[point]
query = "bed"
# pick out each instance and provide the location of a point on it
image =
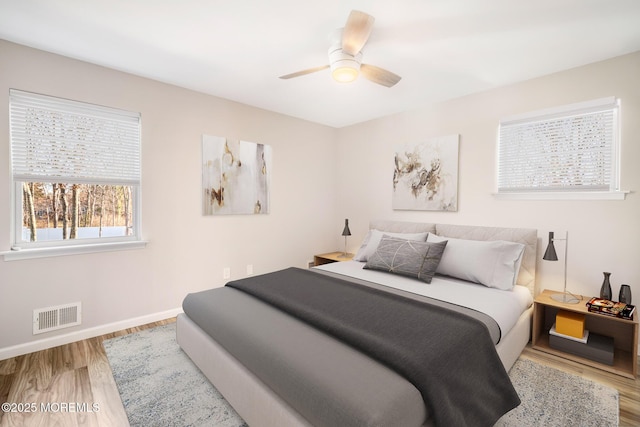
(278, 370)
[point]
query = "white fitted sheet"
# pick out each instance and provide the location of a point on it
(505, 307)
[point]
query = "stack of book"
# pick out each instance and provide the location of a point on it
(568, 334)
(611, 308)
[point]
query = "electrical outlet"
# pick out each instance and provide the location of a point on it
(226, 273)
(249, 269)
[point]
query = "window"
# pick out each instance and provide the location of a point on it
(564, 151)
(76, 173)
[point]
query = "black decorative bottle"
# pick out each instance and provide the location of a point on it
(605, 290)
(625, 294)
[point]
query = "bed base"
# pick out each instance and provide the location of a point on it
(249, 396)
(255, 402)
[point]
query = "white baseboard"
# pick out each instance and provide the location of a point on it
(43, 344)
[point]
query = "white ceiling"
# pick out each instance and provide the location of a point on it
(236, 49)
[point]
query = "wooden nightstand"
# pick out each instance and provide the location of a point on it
(624, 333)
(331, 257)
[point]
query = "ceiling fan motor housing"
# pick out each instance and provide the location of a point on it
(345, 68)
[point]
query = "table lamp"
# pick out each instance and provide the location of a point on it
(550, 255)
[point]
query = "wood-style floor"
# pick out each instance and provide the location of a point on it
(79, 374)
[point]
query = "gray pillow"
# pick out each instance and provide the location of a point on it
(493, 263)
(407, 257)
(373, 237)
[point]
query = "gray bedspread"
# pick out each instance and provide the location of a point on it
(324, 380)
(489, 322)
(450, 358)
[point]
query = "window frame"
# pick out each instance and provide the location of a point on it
(25, 250)
(613, 192)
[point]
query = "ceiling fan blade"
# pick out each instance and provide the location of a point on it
(303, 72)
(356, 32)
(379, 75)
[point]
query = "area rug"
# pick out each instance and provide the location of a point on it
(550, 397)
(160, 386)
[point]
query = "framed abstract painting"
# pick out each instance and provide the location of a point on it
(426, 175)
(235, 176)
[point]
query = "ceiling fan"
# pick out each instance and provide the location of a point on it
(345, 54)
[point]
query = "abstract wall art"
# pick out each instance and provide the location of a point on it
(426, 175)
(235, 176)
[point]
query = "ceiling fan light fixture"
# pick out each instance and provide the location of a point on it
(345, 73)
(345, 68)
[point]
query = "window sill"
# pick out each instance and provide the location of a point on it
(561, 195)
(21, 254)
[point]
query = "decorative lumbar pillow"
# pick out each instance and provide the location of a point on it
(407, 257)
(373, 237)
(493, 263)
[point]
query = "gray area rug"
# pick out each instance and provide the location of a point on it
(550, 397)
(160, 386)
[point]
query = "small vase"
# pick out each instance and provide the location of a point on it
(625, 294)
(605, 290)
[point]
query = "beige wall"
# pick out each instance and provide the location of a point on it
(321, 176)
(604, 235)
(187, 251)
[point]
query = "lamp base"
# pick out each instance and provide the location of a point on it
(345, 255)
(566, 298)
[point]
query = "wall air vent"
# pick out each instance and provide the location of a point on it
(58, 317)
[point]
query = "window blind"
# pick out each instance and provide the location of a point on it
(59, 140)
(572, 148)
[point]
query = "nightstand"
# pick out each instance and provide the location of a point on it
(331, 257)
(623, 331)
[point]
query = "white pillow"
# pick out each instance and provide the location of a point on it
(493, 263)
(373, 237)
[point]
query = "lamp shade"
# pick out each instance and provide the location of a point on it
(346, 231)
(550, 253)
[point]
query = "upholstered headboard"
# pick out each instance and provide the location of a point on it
(527, 236)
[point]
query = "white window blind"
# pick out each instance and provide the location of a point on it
(568, 149)
(58, 140)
